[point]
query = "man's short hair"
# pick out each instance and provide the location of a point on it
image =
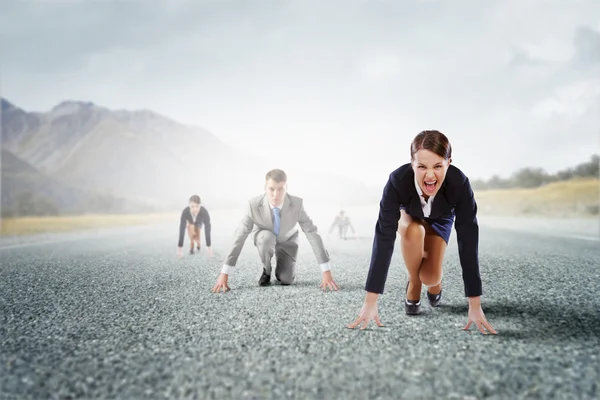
(277, 175)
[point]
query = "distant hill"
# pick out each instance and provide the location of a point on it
(140, 156)
(27, 191)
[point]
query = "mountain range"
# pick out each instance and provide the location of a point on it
(82, 157)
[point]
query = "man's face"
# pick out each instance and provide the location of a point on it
(194, 207)
(275, 192)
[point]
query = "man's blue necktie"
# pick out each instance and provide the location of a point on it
(276, 220)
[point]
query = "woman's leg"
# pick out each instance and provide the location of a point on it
(423, 252)
(431, 267)
(191, 230)
(198, 232)
(412, 243)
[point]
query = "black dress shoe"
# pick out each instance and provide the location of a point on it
(282, 284)
(411, 307)
(434, 299)
(265, 279)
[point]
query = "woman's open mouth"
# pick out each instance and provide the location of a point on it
(430, 185)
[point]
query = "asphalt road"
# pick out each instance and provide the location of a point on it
(116, 315)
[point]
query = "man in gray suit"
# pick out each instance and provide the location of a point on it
(272, 220)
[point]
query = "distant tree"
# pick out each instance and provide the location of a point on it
(496, 182)
(564, 175)
(529, 178)
(479, 184)
(589, 169)
(535, 177)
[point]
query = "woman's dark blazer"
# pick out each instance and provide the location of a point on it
(455, 198)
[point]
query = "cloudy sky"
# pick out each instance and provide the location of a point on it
(332, 84)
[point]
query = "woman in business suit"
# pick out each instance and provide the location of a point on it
(420, 201)
(193, 217)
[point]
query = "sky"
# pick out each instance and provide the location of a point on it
(337, 85)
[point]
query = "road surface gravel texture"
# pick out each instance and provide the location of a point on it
(116, 315)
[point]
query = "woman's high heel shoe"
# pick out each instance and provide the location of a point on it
(411, 307)
(434, 299)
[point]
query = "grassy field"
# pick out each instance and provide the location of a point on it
(33, 225)
(574, 198)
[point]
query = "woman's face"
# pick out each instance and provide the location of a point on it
(430, 171)
(194, 208)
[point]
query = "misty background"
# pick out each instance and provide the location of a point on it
(133, 106)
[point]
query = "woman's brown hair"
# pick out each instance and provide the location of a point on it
(434, 141)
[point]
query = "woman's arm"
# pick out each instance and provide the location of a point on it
(385, 237)
(207, 227)
(182, 223)
(467, 235)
